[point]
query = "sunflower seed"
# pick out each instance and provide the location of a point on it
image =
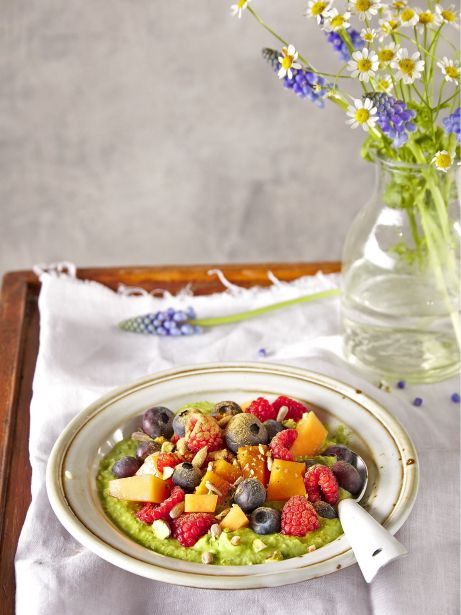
(167, 473)
(215, 530)
(212, 488)
(235, 540)
(282, 414)
(161, 529)
(177, 510)
(207, 557)
(200, 457)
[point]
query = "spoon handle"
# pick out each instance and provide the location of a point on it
(373, 545)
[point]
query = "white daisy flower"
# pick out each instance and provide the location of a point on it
(368, 35)
(362, 113)
(387, 27)
(363, 65)
(408, 17)
(364, 9)
(239, 7)
(318, 8)
(407, 68)
(398, 5)
(443, 160)
(334, 21)
(288, 61)
(428, 18)
(384, 84)
(449, 15)
(386, 54)
(450, 69)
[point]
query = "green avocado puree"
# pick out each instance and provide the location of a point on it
(121, 514)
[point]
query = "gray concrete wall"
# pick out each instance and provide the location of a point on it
(147, 132)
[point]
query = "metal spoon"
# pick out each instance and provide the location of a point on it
(373, 545)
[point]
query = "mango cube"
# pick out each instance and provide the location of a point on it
(286, 480)
(145, 488)
(253, 461)
(311, 436)
(222, 485)
(200, 503)
(226, 470)
(235, 519)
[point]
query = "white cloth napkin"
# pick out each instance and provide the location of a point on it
(83, 355)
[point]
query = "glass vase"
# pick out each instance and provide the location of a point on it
(401, 289)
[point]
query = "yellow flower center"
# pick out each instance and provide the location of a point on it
(368, 37)
(448, 16)
(318, 8)
(337, 21)
(407, 66)
(241, 4)
(362, 6)
(452, 71)
(443, 161)
(383, 85)
(407, 15)
(362, 116)
(398, 5)
(385, 55)
(364, 65)
(426, 17)
(287, 62)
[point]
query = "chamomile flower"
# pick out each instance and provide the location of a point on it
(318, 8)
(398, 5)
(442, 160)
(428, 18)
(362, 113)
(450, 69)
(384, 84)
(288, 61)
(449, 15)
(364, 9)
(407, 68)
(363, 65)
(239, 7)
(368, 35)
(334, 20)
(386, 54)
(387, 27)
(408, 18)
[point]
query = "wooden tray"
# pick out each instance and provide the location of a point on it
(19, 339)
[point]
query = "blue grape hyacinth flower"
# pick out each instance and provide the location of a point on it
(394, 117)
(171, 323)
(452, 124)
(340, 46)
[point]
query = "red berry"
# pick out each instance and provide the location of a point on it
(321, 484)
(203, 431)
(299, 517)
(281, 442)
(167, 460)
(262, 409)
(295, 408)
(150, 512)
(189, 527)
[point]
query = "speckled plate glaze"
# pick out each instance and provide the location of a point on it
(73, 463)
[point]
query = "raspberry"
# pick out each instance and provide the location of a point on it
(150, 512)
(281, 442)
(189, 527)
(321, 484)
(167, 460)
(295, 409)
(262, 409)
(203, 431)
(299, 517)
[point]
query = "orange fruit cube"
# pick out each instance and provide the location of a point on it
(311, 436)
(286, 480)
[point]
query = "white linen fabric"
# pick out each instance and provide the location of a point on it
(83, 355)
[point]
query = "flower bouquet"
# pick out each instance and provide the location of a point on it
(398, 80)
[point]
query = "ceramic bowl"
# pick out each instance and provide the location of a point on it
(377, 436)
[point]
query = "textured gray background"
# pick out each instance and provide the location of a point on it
(146, 132)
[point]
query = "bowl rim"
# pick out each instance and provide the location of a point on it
(265, 574)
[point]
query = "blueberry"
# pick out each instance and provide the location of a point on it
(180, 420)
(244, 429)
(226, 408)
(186, 476)
(147, 448)
(325, 510)
(158, 421)
(273, 428)
(341, 452)
(347, 476)
(250, 494)
(125, 467)
(265, 520)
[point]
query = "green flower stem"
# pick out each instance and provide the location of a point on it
(226, 320)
